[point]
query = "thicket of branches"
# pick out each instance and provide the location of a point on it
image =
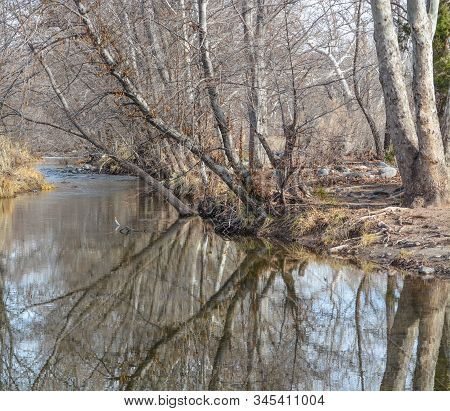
(225, 99)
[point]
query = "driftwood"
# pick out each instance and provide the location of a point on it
(338, 248)
(386, 210)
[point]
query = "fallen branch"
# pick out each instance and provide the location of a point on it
(382, 212)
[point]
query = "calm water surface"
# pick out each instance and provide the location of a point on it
(173, 306)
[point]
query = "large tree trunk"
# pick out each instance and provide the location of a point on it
(431, 168)
(421, 163)
(445, 129)
(398, 113)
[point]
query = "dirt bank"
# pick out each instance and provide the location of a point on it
(354, 213)
(408, 239)
(413, 240)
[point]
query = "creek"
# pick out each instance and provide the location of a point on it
(167, 304)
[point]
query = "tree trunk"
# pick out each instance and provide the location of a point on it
(253, 36)
(445, 129)
(260, 78)
(218, 112)
(431, 167)
(421, 163)
(379, 148)
(190, 88)
(155, 48)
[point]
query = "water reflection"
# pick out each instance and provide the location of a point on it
(420, 316)
(83, 307)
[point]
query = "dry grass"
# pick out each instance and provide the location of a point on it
(349, 227)
(322, 227)
(317, 220)
(368, 239)
(321, 193)
(314, 222)
(17, 174)
(405, 254)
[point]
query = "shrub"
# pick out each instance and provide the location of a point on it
(17, 174)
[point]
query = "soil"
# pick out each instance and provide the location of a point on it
(415, 240)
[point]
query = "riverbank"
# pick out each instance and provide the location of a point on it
(360, 218)
(17, 171)
(394, 238)
(353, 214)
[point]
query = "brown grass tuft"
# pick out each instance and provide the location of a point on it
(17, 174)
(368, 239)
(317, 220)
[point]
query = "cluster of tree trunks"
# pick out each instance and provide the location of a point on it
(420, 138)
(416, 134)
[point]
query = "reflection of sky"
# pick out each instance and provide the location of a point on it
(336, 302)
(330, 297)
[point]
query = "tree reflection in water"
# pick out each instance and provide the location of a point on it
(179, 308)
(420, 316)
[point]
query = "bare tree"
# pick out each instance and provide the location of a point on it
(379, 148)
(253, 18)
